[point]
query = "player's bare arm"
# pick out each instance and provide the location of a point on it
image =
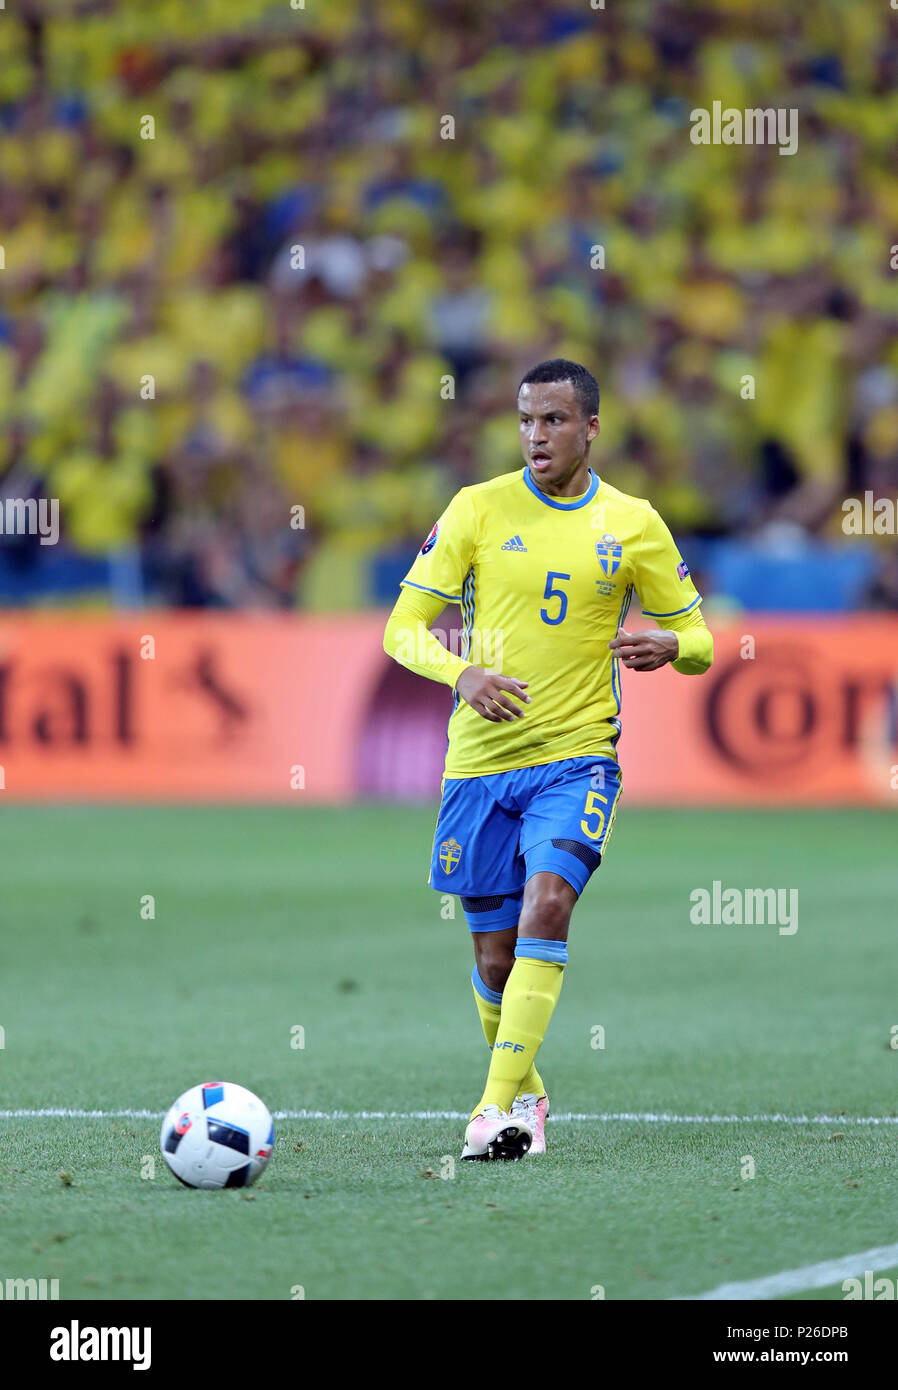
(489, 693)
(646, 651)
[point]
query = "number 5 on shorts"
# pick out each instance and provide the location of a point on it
(591, 809)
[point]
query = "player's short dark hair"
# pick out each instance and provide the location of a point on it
(586, 388)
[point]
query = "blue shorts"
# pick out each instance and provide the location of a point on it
(495, 832)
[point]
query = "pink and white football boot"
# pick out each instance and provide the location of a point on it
(533, 1111)
(496, 1134)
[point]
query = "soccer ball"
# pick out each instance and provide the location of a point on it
(217, 1135)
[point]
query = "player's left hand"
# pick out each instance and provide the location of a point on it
(645, 651)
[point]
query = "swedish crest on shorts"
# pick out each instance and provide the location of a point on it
(450, 854)
(609, 551)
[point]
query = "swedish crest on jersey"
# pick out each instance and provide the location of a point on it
(609, 551)
(450, 854)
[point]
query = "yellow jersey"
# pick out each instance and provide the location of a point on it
(544, 583)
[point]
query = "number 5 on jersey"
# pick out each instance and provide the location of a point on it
(552, 592)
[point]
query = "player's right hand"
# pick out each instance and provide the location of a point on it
(489, 693)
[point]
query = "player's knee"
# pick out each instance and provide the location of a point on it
(494, 962)
(550, 906)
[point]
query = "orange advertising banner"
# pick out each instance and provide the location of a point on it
(165, 706)
(179, 706)
(797, 711)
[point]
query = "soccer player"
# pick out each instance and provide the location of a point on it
(544, 563)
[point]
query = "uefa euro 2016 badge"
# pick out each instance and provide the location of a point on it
(431, 541)
(450, 854)
(609, 551)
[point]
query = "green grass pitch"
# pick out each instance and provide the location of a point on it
(266, 919)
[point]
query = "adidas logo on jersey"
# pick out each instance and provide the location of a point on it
(514, 544)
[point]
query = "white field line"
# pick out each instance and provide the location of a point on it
(818, 1276)
(570, 1117)
(788, 1281)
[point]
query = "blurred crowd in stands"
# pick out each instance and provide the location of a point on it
(474, 186)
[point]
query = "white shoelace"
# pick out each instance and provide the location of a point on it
(525, 1107)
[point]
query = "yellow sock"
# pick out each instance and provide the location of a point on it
(528, 1003)
(489, 1007)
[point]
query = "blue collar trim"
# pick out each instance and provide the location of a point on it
(558, 503)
